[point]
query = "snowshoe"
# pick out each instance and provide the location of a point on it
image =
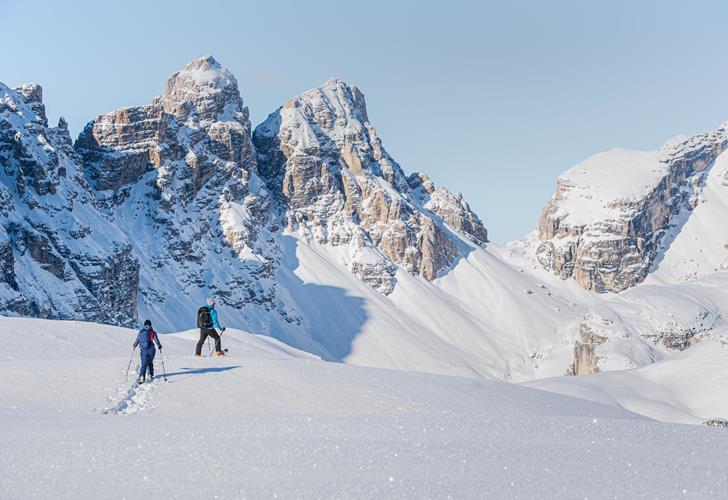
(140, 381)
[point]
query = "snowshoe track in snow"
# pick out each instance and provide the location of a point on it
(130, 399)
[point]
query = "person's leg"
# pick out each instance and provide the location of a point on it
(151, 362)
(203, 336)
(144, 361)
(216, 336)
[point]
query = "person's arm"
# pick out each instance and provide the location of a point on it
(156, 339)
(136, 342)
(213, 317)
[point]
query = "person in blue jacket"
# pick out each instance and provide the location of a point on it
(146, 338)
(208, 322)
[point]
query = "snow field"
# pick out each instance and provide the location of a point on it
(269, 421)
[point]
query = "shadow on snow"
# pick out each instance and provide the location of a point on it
(200, 371)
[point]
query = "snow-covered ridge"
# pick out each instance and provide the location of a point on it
(610, 213)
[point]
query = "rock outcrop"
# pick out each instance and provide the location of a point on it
(325, 164)
(604, 225)
(648, 323)
(180, 177)
(585, 357)
(59, 256)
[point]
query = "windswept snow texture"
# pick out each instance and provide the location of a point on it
(270, 421)
(690, 387)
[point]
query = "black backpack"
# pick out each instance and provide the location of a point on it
(203, 317)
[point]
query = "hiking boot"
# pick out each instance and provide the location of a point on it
(197, 355)
(141, 380)
(151, 377)
(219, 353)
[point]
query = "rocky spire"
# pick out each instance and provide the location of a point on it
(324, 161)
(180, 174)
(203, 90)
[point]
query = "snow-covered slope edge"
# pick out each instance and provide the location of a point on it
(689, 387)
(279, 423)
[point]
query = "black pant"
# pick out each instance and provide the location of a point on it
(208, 332)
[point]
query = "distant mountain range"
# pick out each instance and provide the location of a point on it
(307, 230)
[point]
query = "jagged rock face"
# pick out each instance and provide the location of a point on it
(322, 159)
(179, 176)
(585, 357)
(59, 257)
(716, 422)
(604, 224)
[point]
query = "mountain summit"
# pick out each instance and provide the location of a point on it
(321, 157)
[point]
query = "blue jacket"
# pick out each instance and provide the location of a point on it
(213, 317)
(146, 338)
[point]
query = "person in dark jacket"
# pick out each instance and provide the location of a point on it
(146, 338)
(208, 329)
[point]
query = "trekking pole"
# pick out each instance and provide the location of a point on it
(129, 367)
(164, 371)
(220, 340)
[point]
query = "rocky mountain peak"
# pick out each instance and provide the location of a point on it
(612, 213)
(198, 127)
(31, 92)
(180, 174)
(323, 160)
(27, 101)
(204, 90)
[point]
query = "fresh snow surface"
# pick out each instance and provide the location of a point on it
(690, 387)
(269, 421)
(600, 180)
(484, 318)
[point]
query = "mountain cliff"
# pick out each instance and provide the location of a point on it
(59, 256)
(610, 214)
(179, 177)
(322, 158)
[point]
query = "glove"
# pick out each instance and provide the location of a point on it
(160, 347)
(222, 330)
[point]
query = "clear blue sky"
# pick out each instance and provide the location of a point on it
(493, 99)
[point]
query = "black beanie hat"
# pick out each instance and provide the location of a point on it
(147, 323)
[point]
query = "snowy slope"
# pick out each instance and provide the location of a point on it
(688, 387)
(271, 421)
(483, 318)
(698, 243)
(591, 187)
